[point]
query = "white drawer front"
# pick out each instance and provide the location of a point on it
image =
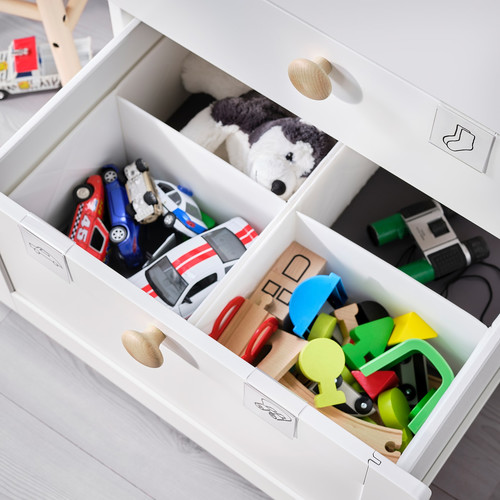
(392, 35)
(371, 110)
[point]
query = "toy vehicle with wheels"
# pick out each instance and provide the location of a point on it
(28, 67)
(87, 229)
(357, 404)
(124, 232)
(180, 211)
(144, 204)
(184, 276)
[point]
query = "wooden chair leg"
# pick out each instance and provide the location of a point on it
(60, 37)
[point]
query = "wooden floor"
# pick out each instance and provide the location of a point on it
(68, 433)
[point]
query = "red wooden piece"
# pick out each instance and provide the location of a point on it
(225, 317)
(377, 382)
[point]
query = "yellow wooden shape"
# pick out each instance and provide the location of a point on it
(410, 326)
(322, 360)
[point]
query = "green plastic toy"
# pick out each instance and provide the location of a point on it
(404, 350)
(323, 327)
(370, 340)
(322, 361)
(395, 412)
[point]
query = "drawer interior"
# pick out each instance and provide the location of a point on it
(365, 277)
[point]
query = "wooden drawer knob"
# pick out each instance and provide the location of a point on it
(145, 346)
(311, 78)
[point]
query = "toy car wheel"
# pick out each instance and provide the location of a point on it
(141, 165)
(130, 210)
(409, 391)
(83, 192)
(117, 234)
(3, 95)
(169, 220)
(122, 177)
(150, 198)
(363, 405)
(109, 176)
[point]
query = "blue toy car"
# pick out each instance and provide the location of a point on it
(124, 232)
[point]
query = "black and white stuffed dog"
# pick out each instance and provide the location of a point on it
(268, 143)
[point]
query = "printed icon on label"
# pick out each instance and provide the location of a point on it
(41, 251)
(461, 140)
(266, 406)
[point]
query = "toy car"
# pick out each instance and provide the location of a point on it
(87, 229)
(185, 275)
(144, 204)
(180, 211)
(357, 404)
(124, 232)
(28, 67)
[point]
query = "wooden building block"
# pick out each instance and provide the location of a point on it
(395, 412)
(285, 349)
(370, 340)
(410, 326)
(242, 326)
(322, 361)
(295, 265)
(377, 382)
(346, 316)
(309, 298)
(323, 327)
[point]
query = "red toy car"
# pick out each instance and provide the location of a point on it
(87, 229)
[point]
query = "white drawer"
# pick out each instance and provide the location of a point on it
(371, 109)
(200, 388)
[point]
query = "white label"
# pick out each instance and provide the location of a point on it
(47, 255)
(461, 138)
(270, 411)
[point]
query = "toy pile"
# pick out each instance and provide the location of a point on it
(158, 238)
(367, 371)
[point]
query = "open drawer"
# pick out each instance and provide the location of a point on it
(111, 113)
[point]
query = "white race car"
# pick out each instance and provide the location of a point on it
(184, 276)
(144, 205)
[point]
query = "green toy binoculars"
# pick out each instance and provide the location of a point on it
(427, 223)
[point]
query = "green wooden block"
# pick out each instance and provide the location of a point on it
(370, 340)
(416, 409)
(322, 361)
(394, 408)
(323, 327)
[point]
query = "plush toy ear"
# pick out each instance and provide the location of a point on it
(200, 76)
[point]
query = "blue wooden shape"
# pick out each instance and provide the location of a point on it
(310, 296)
